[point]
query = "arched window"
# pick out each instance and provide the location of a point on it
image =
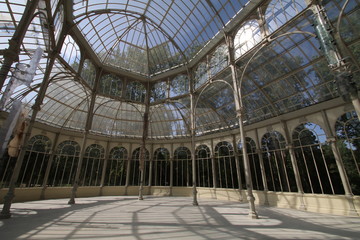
(201, 74)
(92, 165)
(254, 161)
(161, 168)
(179, 85)
(88, 72)
(317, 167)
(281, 11)
(277, 163)
(159, 91)
(247, 37)
(135, 91)
(116, 167)
(225, 163)
(70, 52)
(111, 84)
(35, 162)
(348, 133)
(182, 167)
(64, 166)
(204, 167)
(219, 59)
(135, 168)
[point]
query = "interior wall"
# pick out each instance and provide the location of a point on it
(320, 203)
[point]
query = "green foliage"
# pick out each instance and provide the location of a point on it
(136, 91)
(161, 58)
(348, 131)
(131, 58)
(111, 84)
(179, 85)
(158, 91)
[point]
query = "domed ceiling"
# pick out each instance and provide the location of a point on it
(148, 37)
(130, 46)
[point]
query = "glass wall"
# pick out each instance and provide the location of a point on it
(204, 167)
(116, 167)
(182, 167)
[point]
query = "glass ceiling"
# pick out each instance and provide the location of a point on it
(150, 37)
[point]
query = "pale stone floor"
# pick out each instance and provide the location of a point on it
(168, 218)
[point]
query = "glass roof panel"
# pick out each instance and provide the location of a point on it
(148, 37)
(215, 109)
(117, 29)
(169, 120)
(286, 75)
(116, 118)
(66, 103)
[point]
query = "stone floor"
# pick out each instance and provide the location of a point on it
(168, 218)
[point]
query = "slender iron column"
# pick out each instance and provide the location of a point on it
(48, 167)
(238, 173)
(151, 163)
(171, 168)
(103, 173)
(240, 113)
(213, 165)
(36, 108)
(193, 163)
(340, 165)
(128, 169)
(294, 165)
(88, 125)
(262, 167)
(143, 144)
(78, 169)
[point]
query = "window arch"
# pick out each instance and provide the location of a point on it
(204, 166)
(92, 165)
(110, 84)
(219, 59)
(201, 74)
(135, 168)
(70, 52)
(254, 161)
(348, 133)
(182, 167)
(116, 167)
(247, 37)
(64, 166)
(281, 11)
(317, 167)
(136, 91)
(35, 162)
(277, 163)
(88, 72)
(161, 168)
(225, 163)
